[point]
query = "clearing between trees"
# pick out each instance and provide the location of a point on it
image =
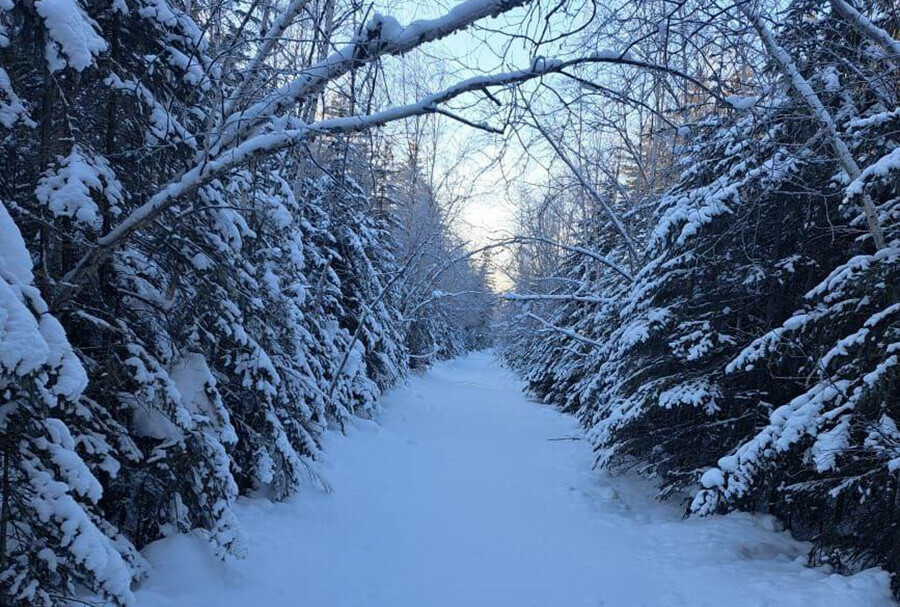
(466, 493)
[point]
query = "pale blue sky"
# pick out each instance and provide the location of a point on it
(463, 55)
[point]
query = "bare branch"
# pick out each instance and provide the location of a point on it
(619, 226)
(566, 332)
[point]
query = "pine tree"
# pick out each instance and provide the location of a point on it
(52, 533)
(752, 361)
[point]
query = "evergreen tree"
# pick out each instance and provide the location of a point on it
(751, 363)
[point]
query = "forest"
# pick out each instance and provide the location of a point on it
(228, 228)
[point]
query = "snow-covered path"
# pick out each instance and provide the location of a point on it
(466, 494)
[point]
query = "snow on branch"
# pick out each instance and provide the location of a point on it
(789, 69)
(395, 41)
(439, 295)
(382, 35)
(574, 249)
(250, 75)
(268, 142)
(867, 28)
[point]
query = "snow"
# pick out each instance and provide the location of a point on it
(27, 342)
(12, 110)
(882, 167)
(162, 125)
(71, 31)
(712, 478)
(394, 39)
(694, 392)
(14, 258)
(867, 28)
(22, 350)
(88, 546)
(739, 102)
(829, 444)
(67, 188)
(465, 493)
(75, 473)
(831, 79)
(389, 27)
(195, 382)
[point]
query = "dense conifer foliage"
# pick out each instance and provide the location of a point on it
(204, 356)
(212, 253)
(751, 363)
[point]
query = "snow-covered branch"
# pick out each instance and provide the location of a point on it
(820, 112)
(381, 36)
(572, 249)
(439, 295)
(268, 142)
(250, 74)
(868, 29)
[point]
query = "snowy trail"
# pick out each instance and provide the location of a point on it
(458, 497)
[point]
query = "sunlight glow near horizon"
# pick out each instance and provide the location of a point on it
(490, 210)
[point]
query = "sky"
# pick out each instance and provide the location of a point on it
(489, 213)
(491, 208)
